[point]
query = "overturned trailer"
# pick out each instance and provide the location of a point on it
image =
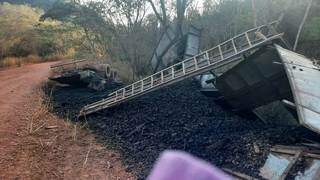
(270, 74)
(247, 71)
(91, 73)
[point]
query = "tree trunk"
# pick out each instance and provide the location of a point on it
(163, 20)
(301, 25)
(254, 13)
(181, 9)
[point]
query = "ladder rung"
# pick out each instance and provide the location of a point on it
(234, 46)
(220, 52)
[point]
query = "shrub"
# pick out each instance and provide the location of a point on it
(18, 61)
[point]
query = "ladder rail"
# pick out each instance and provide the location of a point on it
(195, 65)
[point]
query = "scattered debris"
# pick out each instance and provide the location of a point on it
(51, 127)
(282, 160)
(256, 148)
(237, 175)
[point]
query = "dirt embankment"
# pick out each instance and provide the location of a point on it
(35, 144)
(178, 117)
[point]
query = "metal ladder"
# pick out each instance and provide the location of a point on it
(218, 56)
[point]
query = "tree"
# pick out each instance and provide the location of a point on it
(162, 15)
(254, 12)
(43, 4)
(21, 33)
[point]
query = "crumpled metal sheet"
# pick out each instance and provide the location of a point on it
(283, 159)
(304, 78)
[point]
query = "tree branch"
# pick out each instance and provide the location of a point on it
(301, 25)
(162, 21)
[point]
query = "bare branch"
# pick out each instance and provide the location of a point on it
(161, 19)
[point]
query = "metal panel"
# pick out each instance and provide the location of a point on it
(193, 42)
(171, 47)
(255, 82)
(167, 39)
(304, 78)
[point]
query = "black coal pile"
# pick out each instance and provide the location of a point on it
(177, 117)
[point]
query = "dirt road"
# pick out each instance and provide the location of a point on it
(34, 144)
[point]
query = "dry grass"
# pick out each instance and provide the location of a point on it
(31, 59)
(39, 115)
(16, 61)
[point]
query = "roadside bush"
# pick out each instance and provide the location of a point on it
(24, 38)
(18, 61)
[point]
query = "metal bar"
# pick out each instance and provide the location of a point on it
(195, 63)
(161, 76)
(291, 164)
(234, 46)
(208, 58)
(183, 68)
(220, 51)
(151, 81)
(248, 39)
(172, 72)
(132, 89)
(123, 93)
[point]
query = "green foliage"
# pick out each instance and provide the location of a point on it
(43, 4)
(22, 34)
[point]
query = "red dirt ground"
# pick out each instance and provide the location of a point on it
(35, 144)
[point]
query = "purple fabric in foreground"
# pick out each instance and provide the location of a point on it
(177, 165)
